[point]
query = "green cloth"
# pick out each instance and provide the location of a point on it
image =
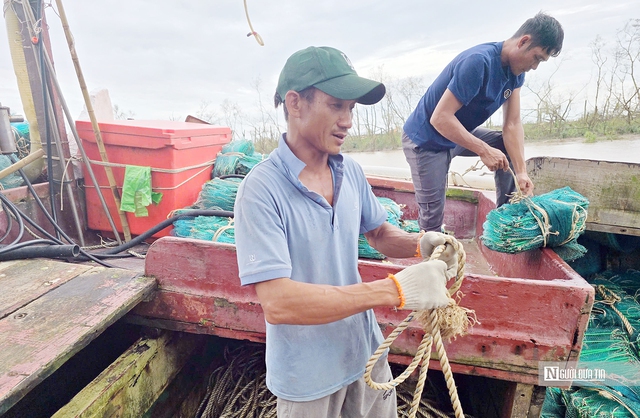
(136, 191)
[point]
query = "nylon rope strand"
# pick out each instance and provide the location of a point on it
(253, 32)
(438, 324)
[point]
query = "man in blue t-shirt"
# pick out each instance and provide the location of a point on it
(298, 216)
(446, 121)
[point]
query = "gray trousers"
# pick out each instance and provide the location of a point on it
(356, 400)
(429, 171)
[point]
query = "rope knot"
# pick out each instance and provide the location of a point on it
(438, 324)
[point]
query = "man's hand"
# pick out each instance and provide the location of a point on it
(430, 241)
(494, 159)
(424, 285)
(525, 184)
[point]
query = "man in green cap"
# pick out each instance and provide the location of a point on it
(298, 216)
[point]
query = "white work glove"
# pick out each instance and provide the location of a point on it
(424, 285)
(430, 241)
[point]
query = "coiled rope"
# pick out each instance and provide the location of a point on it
(438, 324)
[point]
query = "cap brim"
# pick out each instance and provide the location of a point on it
(353, 87)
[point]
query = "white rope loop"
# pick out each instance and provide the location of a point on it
(431, 334)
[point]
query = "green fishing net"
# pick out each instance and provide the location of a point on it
(610, 342)
(410, 225)
(394, 215)
(553, 219)
(12, 180)
(209, 228)
(218, 194)
(22, 137)
(247, 162)
(23, 146)
(237, 157)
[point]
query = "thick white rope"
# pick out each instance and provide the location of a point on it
(423, 355)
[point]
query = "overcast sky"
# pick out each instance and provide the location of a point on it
(163, 59)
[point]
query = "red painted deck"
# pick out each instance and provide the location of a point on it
(531, 306)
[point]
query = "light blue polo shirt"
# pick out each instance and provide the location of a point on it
(283, 229)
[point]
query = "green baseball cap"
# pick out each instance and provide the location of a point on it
(330, 71)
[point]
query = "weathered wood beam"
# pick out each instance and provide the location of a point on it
(131, 385)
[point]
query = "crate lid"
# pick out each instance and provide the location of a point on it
(164, 133)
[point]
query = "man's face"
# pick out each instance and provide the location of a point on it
(325, 122)
(527, 58)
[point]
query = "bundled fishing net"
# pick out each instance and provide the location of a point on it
(12, 180)
(218, 194)
(227, 160)
(553, 219)
(23, 145)
(209, 228)
(610, 342)
(247, 162)
(410, 225)
(394, 213)
(22, 138)
(367, 251)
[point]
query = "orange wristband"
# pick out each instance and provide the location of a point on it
(418, 251)
(400, 292)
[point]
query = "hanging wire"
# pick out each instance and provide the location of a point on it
(253, 32)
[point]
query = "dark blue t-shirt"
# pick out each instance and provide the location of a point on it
(477, 78)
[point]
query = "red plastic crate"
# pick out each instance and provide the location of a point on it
(169, 145)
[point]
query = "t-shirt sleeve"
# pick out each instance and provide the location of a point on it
(468, 78)
(261, 242)
(373, 214)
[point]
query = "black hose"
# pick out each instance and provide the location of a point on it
(49, 251)
(11, 207)
(185, 213)
(231, 176)
(9, 248)
(20, 216)
(9, 222)
(41, 205)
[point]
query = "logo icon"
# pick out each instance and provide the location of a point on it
(507, 93)
(348, 61)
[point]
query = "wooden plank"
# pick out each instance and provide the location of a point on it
(22, 281)
(131, 384)
(38, 338)
(189, 388)
(612, 188)
(518, 400)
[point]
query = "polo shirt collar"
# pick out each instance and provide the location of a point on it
(293, 166)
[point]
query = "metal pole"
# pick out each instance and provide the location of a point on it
(85, 158)
(63, 165)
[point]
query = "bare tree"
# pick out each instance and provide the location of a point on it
(206, 113)
(551, 107)
(120, 114)
(597, 47)
(404, 96)
(233, 116)
(265, 130)
(627, 56)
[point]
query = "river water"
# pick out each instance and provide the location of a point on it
(393, 164)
